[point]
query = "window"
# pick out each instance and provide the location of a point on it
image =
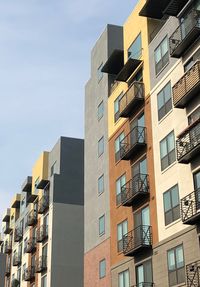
(119, 183)
(135, 50)
(101, 146)
(44, 281)
(161, 55)
(171, 205)
(102, 268)
(123, 279)
(53, 169)
(144, 274)
(117, 146)
(100, 111)
(122, 229)
(164, 101)
(35, 185)
(101, 184)
(99, 73)
(102, 225)
(116, 107)
(167, 151)
(194, 116)
(176, 267)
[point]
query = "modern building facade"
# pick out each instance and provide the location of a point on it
(43, 228)
(153, 147)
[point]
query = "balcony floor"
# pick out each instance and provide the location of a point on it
(188, 157)
(138, 147)
(136, 198)
(193, 219)
(137, 250)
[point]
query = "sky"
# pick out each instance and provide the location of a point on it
(44, 64)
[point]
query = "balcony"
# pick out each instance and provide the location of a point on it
(135, 190)
(8, 270)
(190, 208)
(30, 245)
(133, 143)
(27, 185)
(193, 274)
(16, 201)
(132, 100)
(43, 204)
(174, 7)
(7, 229)
(8, 247)
(115, 63)
(187, 87)
(185, 35)
(188, 143)
(6, 216)
(129, 67)
(41, 264)
(137, 240)
(42, 233)
(16, 259)
(32, 218)
(29, 273)
(18, 234)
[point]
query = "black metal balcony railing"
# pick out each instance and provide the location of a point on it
(29, 273)
(187, 87)
(8, 247)
(134, 142)
(16, 259)
(135, 189)
(15, 283)
(43, 204)
(41, 264)
(8, 270)
(32, 218)
(193, 274)
(137, 240)
(42, 233)
(7, 229)
(18, 234)
(186, 33)
(30, 245)
(132, 99)
(190, 207)
(188, 143)
(144, 284)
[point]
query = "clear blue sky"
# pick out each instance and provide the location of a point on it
(44, 65)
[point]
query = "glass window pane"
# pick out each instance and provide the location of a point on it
(123, 180)
(175, 196)
(160, 100)
(101, 146)
(164, 46)
(179, 257)
(170, 141)
(126, 278)
(119, 232)
(101, 184)
(167, 201)
(117, 145)
(118, 187)
(100, 110)
(171, 260)
(102, 268)
(125, 227)
(102, 225)
(167, 92)
(136, 48)
(163, 148)
(158, 55)
(121, 280)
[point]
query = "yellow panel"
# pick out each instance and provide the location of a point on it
(132, 27)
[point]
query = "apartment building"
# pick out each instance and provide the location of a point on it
(153, 112)
(96, 185)
(43, 228)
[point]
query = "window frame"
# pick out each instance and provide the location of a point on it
(101, 178)
(172, 209)
(117, 153)
(176, 268)
(100, 270)
(119, 241)
(100, 151)
(104, 221)
(116, 102)
(163, 64)
(171, 152)
(167, 106)
(100, 112)
(123, 273)
(118, 195)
